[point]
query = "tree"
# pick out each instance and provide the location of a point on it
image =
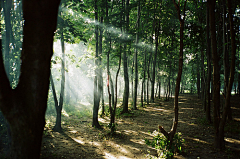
(95, 122)
(125, 64)
(216, 73)
(219, 122)
(59, 105)
(24, 107)
(171, 134)
(136, 61)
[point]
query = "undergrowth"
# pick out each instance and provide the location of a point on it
(162, 144)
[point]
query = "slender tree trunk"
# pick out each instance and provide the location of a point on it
(209, 71)
(154, 63)
(203, 79)
(100, 83)
(220, 137)
(112, 120)
(198, 77)
(96, 90)
(159, 89)
(142, 93)
(171, 134)
(125, 66)
(136, 62)
(57, 126)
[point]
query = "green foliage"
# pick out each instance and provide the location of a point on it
(162, 144)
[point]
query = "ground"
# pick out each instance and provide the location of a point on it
(79, 140)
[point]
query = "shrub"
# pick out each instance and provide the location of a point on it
(162, 144)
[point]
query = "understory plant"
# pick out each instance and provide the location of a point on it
(163, 146)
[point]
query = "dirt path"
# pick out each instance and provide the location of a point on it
(80, 140)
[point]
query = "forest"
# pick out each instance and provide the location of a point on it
(122, 79)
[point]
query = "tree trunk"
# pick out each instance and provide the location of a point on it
(125, 65)
(171, 134)
(218, 142)
(57, 126)
(154, 63)
(159, 89)
(198, 77)
(112, 120)
(209, 71)
(100, 83)
(25, 112)
(96, 90)
(227, 108)
(136, 63)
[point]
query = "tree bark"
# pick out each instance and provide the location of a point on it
(24, 107)
(136, 62)
(209, 71)
(57, 126)
(220, 137)
(96, 90)
(218, 142)
(171, 134)
(125, 66)
(154, 62)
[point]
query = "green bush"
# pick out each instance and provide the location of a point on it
(162, 144)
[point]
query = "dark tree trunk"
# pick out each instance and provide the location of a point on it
(159, 89)
(154, 63)
(132, 80)
(57, 126)
(25, 112)
(113, 114)
(136, 62)
(209, 71)
(203, 79)
(100, 83)
(96, 90)
(198, 77)
(125, 65)
(220, 138)
(225, 51)
(171, 134)
(142, 93)
(218, 141)
(147, 91)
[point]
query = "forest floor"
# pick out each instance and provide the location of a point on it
(79, 140)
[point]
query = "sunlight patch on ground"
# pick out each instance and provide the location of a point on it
(73, 131)
(231, 140)
(78, 140)
(187, 108)
(130, 132)
(146, 133)
(235, 108)
(65, 113)
(110, 156)
(97, 144)
(141, 142)
(158, 109)
(198, 140)
(102, 120)
(237, 119)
